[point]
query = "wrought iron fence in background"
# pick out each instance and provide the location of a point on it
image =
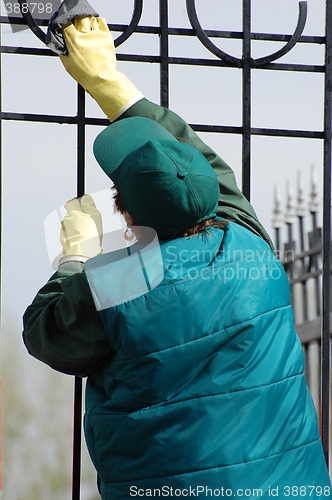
(219, 58)
(298, 237)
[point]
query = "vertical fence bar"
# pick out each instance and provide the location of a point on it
(80, 141)
(77, 426)
(0, 442)
(164, 63)
(77, 436)
(326, 272)
(0, 247)
(246, 99)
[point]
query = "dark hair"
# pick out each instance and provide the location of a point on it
(118, 200)
(200, 228)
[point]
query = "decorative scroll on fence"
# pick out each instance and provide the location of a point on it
(216, 57)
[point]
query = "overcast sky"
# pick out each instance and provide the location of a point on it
(39, 160)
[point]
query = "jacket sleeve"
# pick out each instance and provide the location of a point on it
(62, 327)
(233, 205)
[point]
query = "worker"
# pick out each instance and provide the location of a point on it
(196, 386)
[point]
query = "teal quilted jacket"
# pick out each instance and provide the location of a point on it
(195, 389)
(206, 391)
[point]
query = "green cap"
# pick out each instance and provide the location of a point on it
(163, 183)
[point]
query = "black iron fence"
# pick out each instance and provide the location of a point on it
(307, 259)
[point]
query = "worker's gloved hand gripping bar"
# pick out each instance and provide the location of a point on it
(81, 230)
(91, 61)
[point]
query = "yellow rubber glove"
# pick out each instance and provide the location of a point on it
(91, 61)
(81, 230)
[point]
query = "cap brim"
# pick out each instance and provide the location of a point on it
(124, 137)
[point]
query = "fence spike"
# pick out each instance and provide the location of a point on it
(314, 204)
(277, 221)
(290, 217)
(300, 209)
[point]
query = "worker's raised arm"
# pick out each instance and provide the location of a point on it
(62, 327)
(92, 63)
